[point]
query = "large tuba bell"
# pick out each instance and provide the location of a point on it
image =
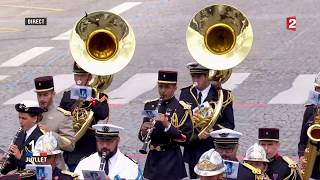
(219, 37)
(101, 43)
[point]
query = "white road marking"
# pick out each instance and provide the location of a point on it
(25, 56)
(63, 36)
(133, 87)
(61, 82)
(297, 93)
(117, 10)
(235, 80)
(2, 77)
(124, 7)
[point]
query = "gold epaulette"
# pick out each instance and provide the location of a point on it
(43, 132)
(254, 170)
(65, 112)
(308, 104)
(70, 173)
(147, 101)
(185, 105)
(290, 162)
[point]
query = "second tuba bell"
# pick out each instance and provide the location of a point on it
(218, 37)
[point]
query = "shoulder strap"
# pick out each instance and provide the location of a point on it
(294, 169)
(151, 100)
(254, 170)
(65, 112)
(69, 173)
(185, 105)
(130, 158)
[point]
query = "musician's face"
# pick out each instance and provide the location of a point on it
(45, 99)
(166, 91)
(108, 146)
(271, 147)
(201, 80)
(26, 120)
(228, 153)
(216, 177)
(82, 79)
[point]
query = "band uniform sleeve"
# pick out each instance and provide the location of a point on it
(183, 123)
(64, 102)
(66, 136)
(101, 109)
(226, 118)
(12, 165)
(145, 119)
(308, 113)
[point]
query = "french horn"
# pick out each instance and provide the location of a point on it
(218, 37)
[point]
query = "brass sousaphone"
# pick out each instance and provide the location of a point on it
(102, 43)
(219, 37)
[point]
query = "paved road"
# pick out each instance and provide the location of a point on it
(269, 87)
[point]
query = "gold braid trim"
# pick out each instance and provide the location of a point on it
(253, 169)
(175, 119)
(65, 112)
(147, 101)
(229, 100)
(70, 173)
(295, 171)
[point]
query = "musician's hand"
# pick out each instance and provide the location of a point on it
(103, 98)
(43, 127)
(14, 150)
(2, 159)
(163, 119)
(145, 126)
(205, 134)
(196, 118)
(301, 163)
(108, 178)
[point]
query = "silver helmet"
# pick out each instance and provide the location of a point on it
(46, 143)
(317, 80)
(256, 153)
(210, 164)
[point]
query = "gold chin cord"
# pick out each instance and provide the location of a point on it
(312, 151)
(218, 37)
(101, 43)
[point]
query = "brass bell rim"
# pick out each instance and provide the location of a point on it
(122, 57)
(219, 25)
(111, 35)
(310, 132)
(199, 51)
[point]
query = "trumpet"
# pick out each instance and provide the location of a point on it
(147, 139)
(103, 161)
(7, 155)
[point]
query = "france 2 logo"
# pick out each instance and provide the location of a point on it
(291, 23)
